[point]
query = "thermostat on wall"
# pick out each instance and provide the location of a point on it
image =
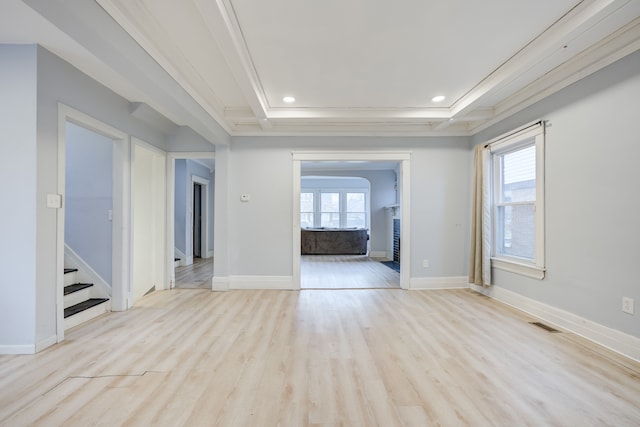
(244, 197)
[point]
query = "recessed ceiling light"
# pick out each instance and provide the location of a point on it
(289, 99)
(438, 98)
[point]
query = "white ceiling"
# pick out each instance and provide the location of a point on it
(357, 67)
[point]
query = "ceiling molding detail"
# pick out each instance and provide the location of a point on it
(222, 67)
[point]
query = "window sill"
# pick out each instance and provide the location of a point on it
(527, 270)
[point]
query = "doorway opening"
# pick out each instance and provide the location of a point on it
(97, 210)
(350, 271)
(197, 220)
(190, 219)
(338, 236)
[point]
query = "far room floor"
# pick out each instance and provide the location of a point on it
(346, 272)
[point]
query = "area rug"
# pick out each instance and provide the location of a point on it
(395, 265)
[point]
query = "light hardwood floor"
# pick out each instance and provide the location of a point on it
(195, 276)
(345, 272)
(381, 357)
(316, 271)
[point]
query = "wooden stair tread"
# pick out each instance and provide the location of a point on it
(69, 289)
(70, 270)
(84, 305)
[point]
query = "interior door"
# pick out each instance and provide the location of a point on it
(197, 220)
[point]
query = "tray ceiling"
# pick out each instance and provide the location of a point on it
(359, 67)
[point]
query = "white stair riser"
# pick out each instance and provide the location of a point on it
(70, 278)
(86, 315)
(77, 297)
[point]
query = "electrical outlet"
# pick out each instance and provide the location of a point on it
(425, 263)
(627, 305)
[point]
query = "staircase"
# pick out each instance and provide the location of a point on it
(80, 301)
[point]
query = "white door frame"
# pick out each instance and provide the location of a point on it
(204, 213)
(121, 209)
(171, 193)
(404, 159)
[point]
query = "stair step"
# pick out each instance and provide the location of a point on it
(85, 311)
(70, 276)
(76, 287)
(84, 305)
(77, 293)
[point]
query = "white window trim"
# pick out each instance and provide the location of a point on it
(536, 268)
(317, 213)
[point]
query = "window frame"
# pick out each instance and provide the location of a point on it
(317, 200)
(313, 202)
(320, 212)
(531, 135)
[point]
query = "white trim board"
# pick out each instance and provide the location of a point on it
(261, 282)
(204, 213)
(432, 283)
(378, 254)
(220, 284)
(617, 341)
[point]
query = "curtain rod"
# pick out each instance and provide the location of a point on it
(538, 122)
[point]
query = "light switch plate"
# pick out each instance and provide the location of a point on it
(54, 201)
(244, 198)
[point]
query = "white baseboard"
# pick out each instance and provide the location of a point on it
(209, 254)
(86, 274)
(18, 349)
(612, 339)
(261, 282)
(450, 282)
(378, 254)
(220, 284)
(45, 343)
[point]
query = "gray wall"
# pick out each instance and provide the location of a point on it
(89, 197)
(592, 196)
(260, 232)
(59, 82)
(33, 82)
(18, 174)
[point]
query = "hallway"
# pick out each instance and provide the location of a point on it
(195, 276)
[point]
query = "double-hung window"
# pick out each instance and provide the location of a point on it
(330, 210)
(307, 213)
(334, 208)
(355, 212)
(517, 196)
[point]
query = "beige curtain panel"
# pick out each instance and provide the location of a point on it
(480, 255)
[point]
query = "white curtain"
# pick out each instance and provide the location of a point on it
(480, 255)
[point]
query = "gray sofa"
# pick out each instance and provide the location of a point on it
(334, 241)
